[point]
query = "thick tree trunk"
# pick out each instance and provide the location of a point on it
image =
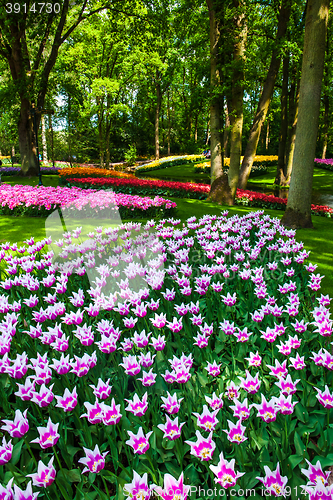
(267, 139)
(27, 142)
(265, 97)
(157, 119)
(236, 112)
(44, 139)
(298, 211)
(281, 167)
(216, 169)
(292, 138)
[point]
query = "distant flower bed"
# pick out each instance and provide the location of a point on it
(40, 201)
(91, 172)
(8, 171)
(325, 164)
(169, 161)
(254, 199)
(144, 186)
(257, 169)
(188, 190)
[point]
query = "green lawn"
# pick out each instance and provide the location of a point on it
(181, 173)
(47, 180)
(322, 179)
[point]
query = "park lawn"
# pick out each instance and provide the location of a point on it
(181, 173)
(47, 180)
(322, 179)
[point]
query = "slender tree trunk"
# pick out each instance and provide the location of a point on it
(51, 138)
(298, 211)
(207, 132)
(69, 132)
(281, 167)
(236, 115)
(169, 122)
(157, 118)
(326, 125)
(226, 131)
(292, 139)
(44, 139)
(265, 97)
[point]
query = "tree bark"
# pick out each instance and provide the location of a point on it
(157, 117)
(216, 169)
(292, 138)
(236, 112)
(326, 104)
(281, 167)
(226, 131)
(27, 142)
(265, 97)
(169, 123)
(298, 211)
(44, 139)
(51, 138)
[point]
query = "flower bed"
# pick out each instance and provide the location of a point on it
(169, 161)
(6, 171)
(189, 190)
(325, 164)
(256, 170)
(214, 372)
(81, 172)
(254, 199)
(144, 186)
(40, 201)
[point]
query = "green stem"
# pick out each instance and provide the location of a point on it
(105, 486)
(30, 451)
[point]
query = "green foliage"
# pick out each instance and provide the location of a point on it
(130, 155)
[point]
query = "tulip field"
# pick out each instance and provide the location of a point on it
(165, 359)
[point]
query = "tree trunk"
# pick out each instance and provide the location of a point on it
(169, 123)
(27, 142)
(226, 131)
(157, 118)
(326, 103)
(292, 139)
(107, 150)
(265, 97)
(281, 167)
(207, 132)
(69, 131)
(216, 169)
(236, 112)
(44, 139)
(51, 138)
(298, 211)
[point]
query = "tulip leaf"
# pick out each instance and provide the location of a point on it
(74, 475)
(294, 460)
(299, 445)
(17, 452)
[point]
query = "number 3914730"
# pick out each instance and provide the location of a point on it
(35, 8)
